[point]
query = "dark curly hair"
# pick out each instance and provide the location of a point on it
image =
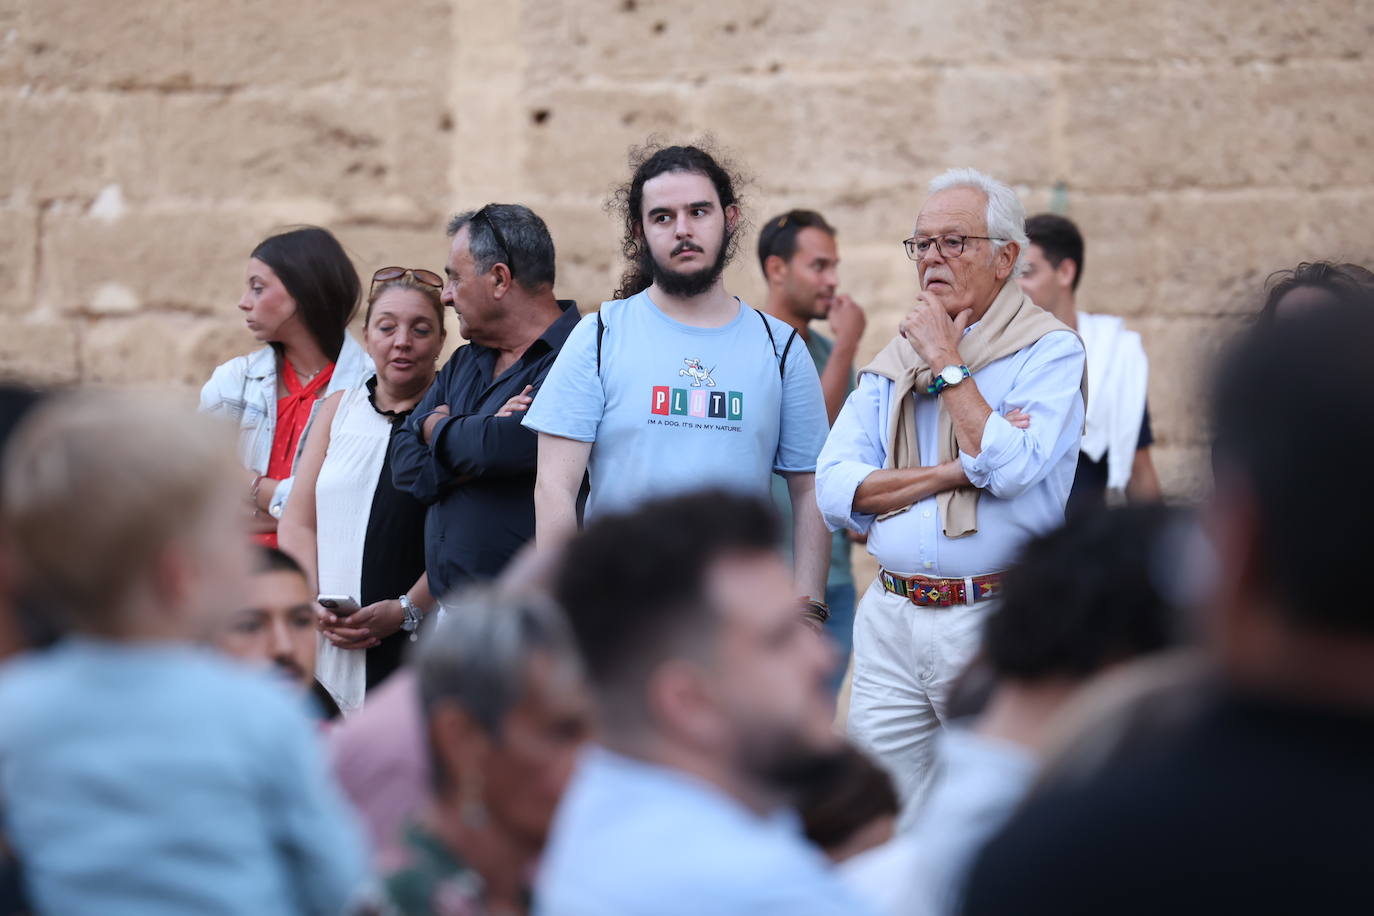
(1330, 276)
(649, 161)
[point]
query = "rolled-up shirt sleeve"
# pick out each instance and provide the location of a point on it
(854, 449)
(1049, 389)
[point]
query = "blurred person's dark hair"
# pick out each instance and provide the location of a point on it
(271, 559)
(1316, 281)
(1311, 524)
(779, 235)
(634, 585)
(850, 806)
(21, 626)
(318, 274)
(510, 234)
(1084, 596)
(1058, 237)
(648, 163)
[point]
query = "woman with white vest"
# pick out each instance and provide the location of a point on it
(300, 292)
(356, 534)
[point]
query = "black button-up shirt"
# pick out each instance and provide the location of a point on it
(477, 474)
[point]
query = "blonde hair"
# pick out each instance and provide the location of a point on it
(407, 281)
(97, 484)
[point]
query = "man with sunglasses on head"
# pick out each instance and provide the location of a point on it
(959, 443)
(463, 451)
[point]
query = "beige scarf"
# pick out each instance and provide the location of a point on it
(1012, 323)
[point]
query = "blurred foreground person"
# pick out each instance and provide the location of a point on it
(300, 292)
(275, 629)
(715, 712)
(1311, 283)
(851, 809)
(139, 773)
(506, 710)
(1262, 803)
(1079, 600)
(15, 403)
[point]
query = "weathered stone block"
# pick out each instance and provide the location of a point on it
(158, 346)
(177, 259)
(53, 145)
(1122, 270)
(1138, 129)
(1185, 472)
(1213, 251)
(18, 251)
(581, 142)
(1183, 354)
(330, 146)
(40, 351)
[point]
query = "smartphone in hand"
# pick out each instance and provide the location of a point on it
(338, 605)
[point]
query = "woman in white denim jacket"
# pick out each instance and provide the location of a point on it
(301, 291)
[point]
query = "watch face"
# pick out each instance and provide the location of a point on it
(952, 375)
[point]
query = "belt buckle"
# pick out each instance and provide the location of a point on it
(930, 595)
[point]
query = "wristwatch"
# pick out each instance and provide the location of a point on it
(948, 378)
(413, 617)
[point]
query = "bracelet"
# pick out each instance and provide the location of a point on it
(253, 490)
(815, 610)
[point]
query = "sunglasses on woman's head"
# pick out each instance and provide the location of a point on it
(427, 277)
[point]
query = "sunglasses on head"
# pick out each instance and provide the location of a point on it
(427, 277)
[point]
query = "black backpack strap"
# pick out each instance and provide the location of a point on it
(782, 361)
(600, 332)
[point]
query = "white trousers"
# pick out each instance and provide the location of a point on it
(906, 661)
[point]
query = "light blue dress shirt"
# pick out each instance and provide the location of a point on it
(160, 779)
(635, 839)
(922, 873)
(1025, 475)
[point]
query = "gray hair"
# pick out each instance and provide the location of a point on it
(1006, 217)
(477, 655)
(510, 234)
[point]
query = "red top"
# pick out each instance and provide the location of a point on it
(293, 413)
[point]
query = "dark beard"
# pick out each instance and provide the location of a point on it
(689, 285)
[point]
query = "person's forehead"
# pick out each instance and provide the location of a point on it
(954, 210)
(258, 268)
(403, 303)
(279, 589)
(816, 243)
(678, 189)
(458, 250)
(552, 686)
(752, 591)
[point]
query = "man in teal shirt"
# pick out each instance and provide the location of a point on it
(800, 264)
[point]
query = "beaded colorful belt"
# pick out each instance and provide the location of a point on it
(928, 591)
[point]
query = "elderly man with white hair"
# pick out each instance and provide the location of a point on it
(959, 443)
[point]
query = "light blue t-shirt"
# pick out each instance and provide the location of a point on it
(676, 407)
(636, 839)
(159, 779)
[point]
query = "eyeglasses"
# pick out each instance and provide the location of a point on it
(427, 277)
(485, 216)
(951, 246)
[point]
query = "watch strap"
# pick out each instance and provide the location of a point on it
(940, 383)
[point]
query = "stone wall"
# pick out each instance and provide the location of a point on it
(147, 146)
